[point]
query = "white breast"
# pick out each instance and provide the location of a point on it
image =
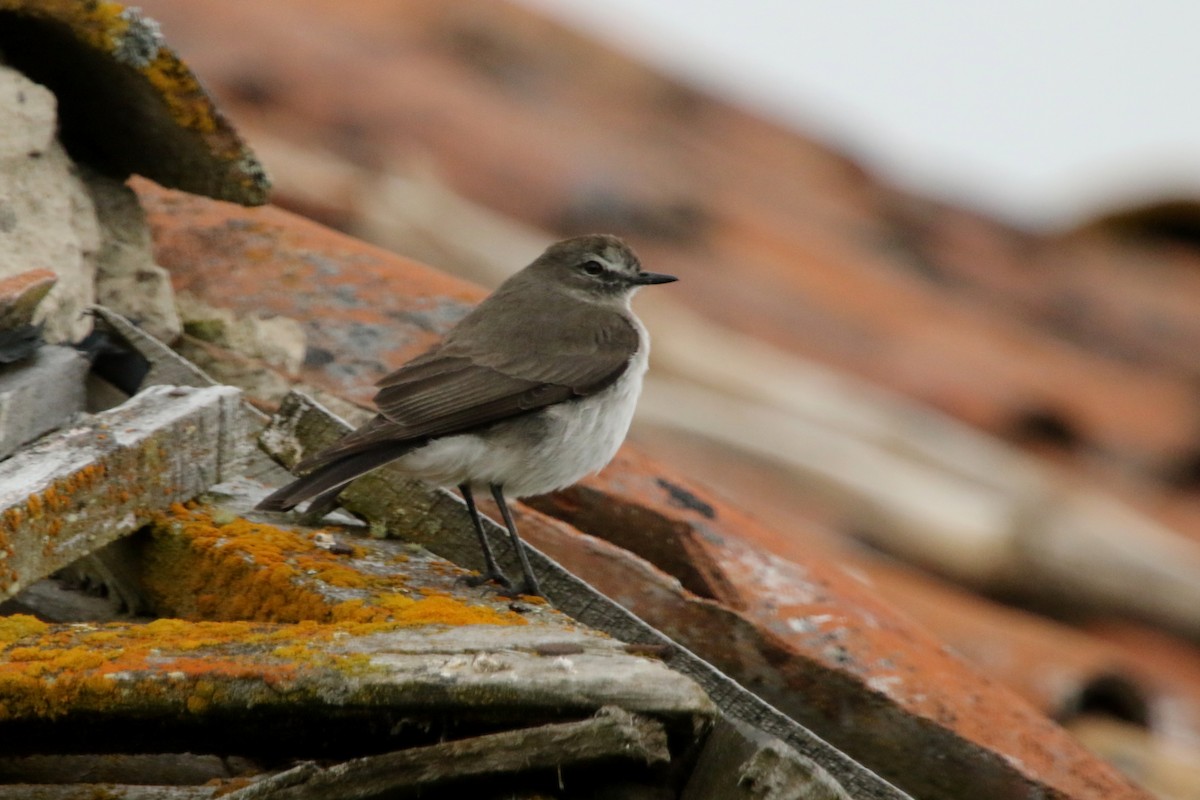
(541, 452)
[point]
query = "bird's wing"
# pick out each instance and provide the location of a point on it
(453, 394)
(508, 365)
(466, 382)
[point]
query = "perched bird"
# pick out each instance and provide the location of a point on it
(530, 392)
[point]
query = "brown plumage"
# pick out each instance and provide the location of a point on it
(554, 333)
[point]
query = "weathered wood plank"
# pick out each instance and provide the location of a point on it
(107, 791)
(611, 735)
(167, 769)
(80, 488)
(740, 763)
(505, 673)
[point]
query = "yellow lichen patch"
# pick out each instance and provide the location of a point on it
(51, 670)
(18, 626)
(189, 106)
(333, 574)
(447, 610)
(98, 23)
(399, 611)
(239, 570)
(181, 635)
(236, 569)
(104, 23)
(105, 26)
(318, 656)
(47, 671)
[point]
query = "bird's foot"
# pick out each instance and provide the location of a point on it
(491, 576)
(525, 589)
(528, 587)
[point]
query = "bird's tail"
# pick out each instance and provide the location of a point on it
(332, 476)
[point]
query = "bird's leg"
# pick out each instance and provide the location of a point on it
(321, 505)
(492, 571)
(529, 583)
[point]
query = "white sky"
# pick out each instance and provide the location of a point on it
(1039, 110)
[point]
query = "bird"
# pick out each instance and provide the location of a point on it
(533, 390)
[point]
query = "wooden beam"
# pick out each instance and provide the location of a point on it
(81, 488)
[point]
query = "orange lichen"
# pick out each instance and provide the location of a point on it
(397, 611)
(42, 519)
(51, 499)
(47, 671)
(445, 610)
(238, 569)
(185, 98)
(245, 576)
(84, 478)
(333, 574)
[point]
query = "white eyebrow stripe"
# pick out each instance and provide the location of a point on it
(611, 266)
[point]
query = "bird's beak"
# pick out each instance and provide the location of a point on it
(649, 278)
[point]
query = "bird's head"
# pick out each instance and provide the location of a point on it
(599, 267)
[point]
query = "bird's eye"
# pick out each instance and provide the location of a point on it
(592, 268)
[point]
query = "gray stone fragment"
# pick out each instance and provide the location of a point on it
(127, 279)
(40, 394)
(46, 214)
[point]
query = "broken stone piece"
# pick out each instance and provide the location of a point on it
(19, 299)
(40, 394)
(47, 219)
(20, 295)
(128, 104)
(127, 279)
(278, 341)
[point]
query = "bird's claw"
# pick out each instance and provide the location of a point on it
(506, 586)
(492, 576)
